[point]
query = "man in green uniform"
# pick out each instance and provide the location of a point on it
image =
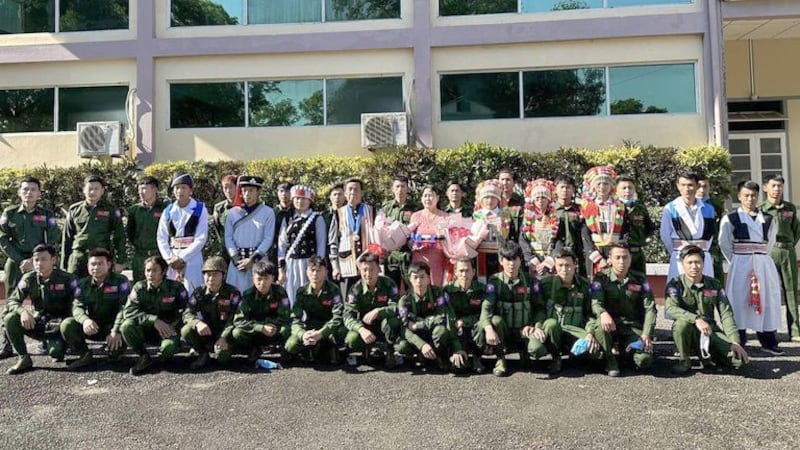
(23, 227)
(153, 314)
(507, 318)
(625, 310)
(92, 223)
(97, 310)
(640, 227)
(50, 291)
(399, 208)
(691, 301)
(467, 296)
(455, 200)
(220, 213)
(564, 313)
(208, 317)
(142, 225)
(370, 314)
(315, 327)
(263, 316)
(570, 222)
(427, 321)
(508, 181)
(783, 253)
(703, 192)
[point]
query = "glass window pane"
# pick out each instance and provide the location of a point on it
(27, 17)
(621, 3)
(86, 15)
(667, 88)
(90, 104)
(191, 13)
(26, 110)
(740, 162)
(348, 98)
(476, 96)
(533, 6)
(771, 162)
(206, 105)
(739, 146)
(770, 145)
(470, 7)
(336, 10)
(574, 92)
(286, 103)
(284, 11)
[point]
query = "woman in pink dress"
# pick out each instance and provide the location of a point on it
(425, 239)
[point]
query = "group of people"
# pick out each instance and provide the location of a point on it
(534, 271)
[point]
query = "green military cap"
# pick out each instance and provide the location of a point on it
(215, 264)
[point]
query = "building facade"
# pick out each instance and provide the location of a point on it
(246, 79)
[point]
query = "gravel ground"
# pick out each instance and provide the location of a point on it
(305, 407)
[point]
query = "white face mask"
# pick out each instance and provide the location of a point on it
(705, 343)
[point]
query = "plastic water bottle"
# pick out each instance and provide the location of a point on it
(267, 365)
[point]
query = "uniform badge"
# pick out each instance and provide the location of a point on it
(394, 291)
(337, 300)
(787, 214)
(635, 287)
(235, 299)
(709, 293)
(125, 287)
(351, 299)
(381, 298)
(671, 291)
(102, 213)
(157, 215)
(167, 300)
(117, 214)
(58, 287)
(77, 292)
(285, 301)
(39, 218)
(475, 301)
(490, 288)
(52, 221)
(183, 295)
(535, 288)
(273, 305)
(596, 286)
(520, 290)
(646, 286)
(224, 302)
(109, 289)
(326, 302)
(441, 301)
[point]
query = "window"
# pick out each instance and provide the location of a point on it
(471, 7)
(756, 155)
(652, 89)
(282, 103)
(26, 110)
(244, 12)
(42, 16)
(90, 104)
(480, 96)
(667, 88)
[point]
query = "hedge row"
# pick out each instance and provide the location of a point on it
(654, 168)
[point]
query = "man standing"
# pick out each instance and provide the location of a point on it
(336, 199)
(220, 213)
(400, 209)
(688, 221)
(640, 227)
(691, 301)
(784, 215)
(570, 221)
(248, 233)
(182, 234)
(455, 200)
(508, 183)
(746, 238)
(142, 225)
(350, 234)
(90, 224)
(626, 312)
(23, 227)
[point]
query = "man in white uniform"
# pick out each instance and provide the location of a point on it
(182, 234)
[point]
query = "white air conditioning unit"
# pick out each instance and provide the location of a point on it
(100, 139)
(383, 130)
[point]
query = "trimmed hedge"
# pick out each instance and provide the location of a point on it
(654, 168)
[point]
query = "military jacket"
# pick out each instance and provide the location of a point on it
(640, 225)
(258, 310)
(360, 301)
(629, 300)
(88, 227)
(425, 313)
(569, 305)
(142, 226)
(514, 300)
(785, 218)
(51, 298)
(688, 301)
(318, 309)
(214, 309)
(21, 231)
(468, 304)
(146, 304)
(102, 303)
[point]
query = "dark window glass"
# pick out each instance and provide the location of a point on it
(477, 96)
(206, 105)
(758, 125)
(573, 92)
(190, 13)
(348, 98)
(87, 15)
(31, 16)
(666, 88)
(361, 9)
(286, 103)
(470, 7)
(90, 104)
(26, 110)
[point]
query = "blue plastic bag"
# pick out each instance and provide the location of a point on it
(267, 365)
(580, 347)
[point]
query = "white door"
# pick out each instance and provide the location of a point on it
(755, 155)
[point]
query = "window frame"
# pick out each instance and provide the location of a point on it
(755, 154)
(57, 22)
(604, 7)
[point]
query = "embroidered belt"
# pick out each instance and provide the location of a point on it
(244, 253)
(678, 244)
(181, 242)
(749, 248)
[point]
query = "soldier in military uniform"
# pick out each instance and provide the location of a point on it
(263, 316)
(92, 223)
(153, 313)
(570, 221)
(784, 215)
(50, 291)
(507, 319)
(208, 317)
(467, 296)
(691, 301)
(564, 313)
(455, 200)
(625, 310)
(508, 183)
(428, 321)
(350, 234)
(23, 227)
(315, 327)
(220, 213)
(142, 225)
(97, 310)
(640, 226)
(370, 314)
(399, 208)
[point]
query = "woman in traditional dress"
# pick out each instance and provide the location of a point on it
(604, 215)
(539, 227)
(426, 234)
(494, 224)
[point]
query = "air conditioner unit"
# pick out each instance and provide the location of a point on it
(383, 130)
(100, 139)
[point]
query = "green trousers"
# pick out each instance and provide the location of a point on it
(560, 339)
(638, 260)
(73, 335)
(389, 329)
(786, 262)
(56, 347)
(246, 340)
(13, 275)
(624, 336)
(439, 337)
(687, 339)
(294, 344)
(137, 336)
(205, 344)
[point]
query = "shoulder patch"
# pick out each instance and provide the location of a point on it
(394, 291)
(337, 300)
(442, 300)
(3, 219)
(52, 222)
(22, 285)
(351, 299)
(490, 288)
(535, 288)
(596, 286)
(673, 291)
(125, 287)
(402, 312)
(183, 294)
(646, 286)
(77, 292)
(285, 301)
(722, 293)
